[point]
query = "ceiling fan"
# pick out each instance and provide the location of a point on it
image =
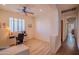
(25, 10)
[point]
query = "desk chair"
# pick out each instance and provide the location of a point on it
(19, 39)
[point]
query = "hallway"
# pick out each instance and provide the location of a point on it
(69, 47)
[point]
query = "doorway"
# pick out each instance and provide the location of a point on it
(61, 31)
(69, 46)
(71, 29)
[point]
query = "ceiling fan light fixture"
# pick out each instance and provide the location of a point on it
(26, 10)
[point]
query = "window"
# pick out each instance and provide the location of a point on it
(16, 25)
(11, 25)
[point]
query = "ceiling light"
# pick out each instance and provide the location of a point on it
(41, 10)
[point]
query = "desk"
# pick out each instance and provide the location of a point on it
(11, 37)
(12, 40)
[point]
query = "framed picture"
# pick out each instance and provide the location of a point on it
(30, 25)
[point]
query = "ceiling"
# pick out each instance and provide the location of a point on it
(34, 7)
(11, 7)
(66, 6)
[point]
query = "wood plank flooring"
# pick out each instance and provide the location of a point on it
(37, 47)
(69, 47)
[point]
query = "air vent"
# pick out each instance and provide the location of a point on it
(68, 10)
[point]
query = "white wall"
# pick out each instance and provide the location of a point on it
(42, 29)
(30, 31)
(64, 29)
(78, 28)
(47, 26)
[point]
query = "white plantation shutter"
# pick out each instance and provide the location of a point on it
(16, 25)
(11, 24)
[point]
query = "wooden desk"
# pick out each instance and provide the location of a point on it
(12, 40)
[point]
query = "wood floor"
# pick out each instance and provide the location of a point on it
(69, 47)
(37, 47)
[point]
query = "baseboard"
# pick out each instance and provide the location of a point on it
(43, 40)
(58, 48)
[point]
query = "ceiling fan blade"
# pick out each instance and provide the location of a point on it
(19, 10)
(25, 10)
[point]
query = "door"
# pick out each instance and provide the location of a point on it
(61, 31)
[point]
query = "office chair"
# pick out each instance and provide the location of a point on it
(19, 39)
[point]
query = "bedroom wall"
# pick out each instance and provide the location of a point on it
(4, 17)
(47, 26)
